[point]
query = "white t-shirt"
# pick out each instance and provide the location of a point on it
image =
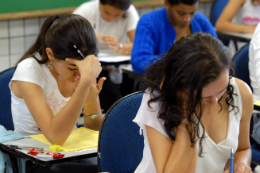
(248, 14)
(254, 63)
(29, 70)
(214, 155)
(118, 28)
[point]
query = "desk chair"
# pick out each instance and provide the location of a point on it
(216, 9)
(240, 65)
(5, 99)
(120, 147)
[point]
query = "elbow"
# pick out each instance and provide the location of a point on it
(218, 25)
(55, 140)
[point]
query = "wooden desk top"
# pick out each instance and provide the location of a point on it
(44, 13)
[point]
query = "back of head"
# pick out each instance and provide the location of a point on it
(186, 2)
(191, 63)
(120, 4)
(61, 33)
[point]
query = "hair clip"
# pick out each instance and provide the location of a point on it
(79, 51)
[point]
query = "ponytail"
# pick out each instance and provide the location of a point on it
(38, 46)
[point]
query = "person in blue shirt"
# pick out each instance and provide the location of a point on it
(158, 30)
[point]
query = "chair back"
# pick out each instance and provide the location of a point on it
(240, 65)
(216, 9)
(5, 99)
(121, 146)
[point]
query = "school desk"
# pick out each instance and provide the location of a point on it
(244, 37)
(113, 59)
(27, 141)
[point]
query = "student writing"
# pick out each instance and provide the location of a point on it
(193, 111)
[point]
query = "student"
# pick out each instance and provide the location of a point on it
(158, 30)
(194, 111)
(114, 22)
(56, 78)
(246, 14)
(52, 81)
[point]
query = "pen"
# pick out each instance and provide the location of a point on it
(232, 161)
(24, 147)
(79, 51)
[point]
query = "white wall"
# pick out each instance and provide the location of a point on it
(16, 36)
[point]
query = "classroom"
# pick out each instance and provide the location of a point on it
(144, 86)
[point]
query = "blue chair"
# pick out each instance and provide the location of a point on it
(5, 99)
(121, 146)
(216, 10)
(240, 65)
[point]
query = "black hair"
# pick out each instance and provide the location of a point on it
(61, 33)
(120, 4)
(190, 65)
(186, 2)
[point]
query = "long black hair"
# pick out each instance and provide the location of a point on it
(61, 33)
(190, 64)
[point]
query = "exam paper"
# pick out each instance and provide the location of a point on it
(105, 57)
(79, 139)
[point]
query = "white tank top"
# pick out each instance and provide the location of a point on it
(248, 14)
(214, 155)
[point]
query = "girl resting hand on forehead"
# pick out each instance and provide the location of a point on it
(53, 82)
(194, 111)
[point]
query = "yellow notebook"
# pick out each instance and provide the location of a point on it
(79, 139)
(257, 103)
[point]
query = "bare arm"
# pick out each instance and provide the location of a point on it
(242, 157)
(177, 157)
(57, 128)
(92, 106)
(224, 21)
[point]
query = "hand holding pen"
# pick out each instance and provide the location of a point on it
(238, 168)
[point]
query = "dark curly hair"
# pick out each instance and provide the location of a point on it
(190, 64)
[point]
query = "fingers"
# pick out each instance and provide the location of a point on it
(110, 40)
(100, 83)
(243, 168)
(226, 171)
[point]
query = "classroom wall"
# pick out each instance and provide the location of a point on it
(16, 36)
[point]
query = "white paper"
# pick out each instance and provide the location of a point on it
(104, 57)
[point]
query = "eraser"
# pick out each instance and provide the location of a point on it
(44, 157)
(55, 148)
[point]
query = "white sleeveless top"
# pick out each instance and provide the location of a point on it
(214, 155)
(29, 70)
(248, 14)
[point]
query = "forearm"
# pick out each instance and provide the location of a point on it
(241, 156)
(92, 107)
(126, 48)
(232, 27)
(183, 157)
(63, 123)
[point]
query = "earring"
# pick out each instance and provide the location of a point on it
(51, 64)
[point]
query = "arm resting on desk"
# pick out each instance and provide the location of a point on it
(224, 22)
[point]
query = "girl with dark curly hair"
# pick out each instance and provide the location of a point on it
(193, 111)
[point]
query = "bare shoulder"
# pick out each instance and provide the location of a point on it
(247, 97)
(244, 89)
